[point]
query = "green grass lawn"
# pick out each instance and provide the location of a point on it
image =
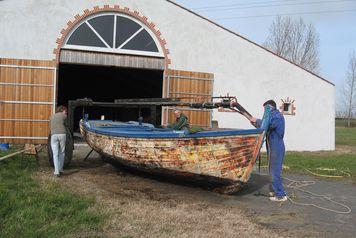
(343, 122)
(345, 136)
(333, 162)
(322, 163)
(28, 209)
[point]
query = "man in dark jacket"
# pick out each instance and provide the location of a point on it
(181, 122)
(275, 147)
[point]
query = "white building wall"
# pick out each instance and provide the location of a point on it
(29, 29)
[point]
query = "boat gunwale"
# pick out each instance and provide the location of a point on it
(174, 135)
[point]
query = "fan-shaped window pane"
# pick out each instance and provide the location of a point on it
(84, 36)
(142, 41)
(114, 33)
(104, 25)
(125, 28)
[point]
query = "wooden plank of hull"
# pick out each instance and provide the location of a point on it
(229, 158)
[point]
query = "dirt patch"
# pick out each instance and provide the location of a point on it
(138, 206)
(345, 149)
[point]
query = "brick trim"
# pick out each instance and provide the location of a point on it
(107, 8)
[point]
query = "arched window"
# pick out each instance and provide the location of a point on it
(113, 33)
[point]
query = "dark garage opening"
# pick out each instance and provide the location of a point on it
(105, 84)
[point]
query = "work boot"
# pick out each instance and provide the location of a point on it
(278, 199)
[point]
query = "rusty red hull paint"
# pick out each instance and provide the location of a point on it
(229, 159)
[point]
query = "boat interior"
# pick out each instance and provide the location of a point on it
(134, 130)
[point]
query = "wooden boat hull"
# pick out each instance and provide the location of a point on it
(228, 160)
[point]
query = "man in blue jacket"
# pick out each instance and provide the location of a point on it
(275, 147)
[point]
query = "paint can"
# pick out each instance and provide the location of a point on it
(4, 146)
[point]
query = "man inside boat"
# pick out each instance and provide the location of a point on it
(275, 148)
(181, 123)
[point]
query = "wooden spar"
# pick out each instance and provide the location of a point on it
(152, 104)
(227, 102)
(19, 152)
(167, 102)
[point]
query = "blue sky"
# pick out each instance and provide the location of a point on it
(334, 20)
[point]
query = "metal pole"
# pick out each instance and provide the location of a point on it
(19, 152)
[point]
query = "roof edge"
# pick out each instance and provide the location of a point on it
(244, 38)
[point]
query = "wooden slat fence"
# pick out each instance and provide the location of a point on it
(190, 87)
(27, 100)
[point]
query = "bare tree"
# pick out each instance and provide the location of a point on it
(295, 41)
(349, 90)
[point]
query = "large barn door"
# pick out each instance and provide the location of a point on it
(190, 87)
(27, 100)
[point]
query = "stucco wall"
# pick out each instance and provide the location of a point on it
(29, 29)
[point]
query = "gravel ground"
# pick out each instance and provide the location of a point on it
(145, 206)
(141, 206)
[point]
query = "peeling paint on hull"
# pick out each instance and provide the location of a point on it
(227, 159)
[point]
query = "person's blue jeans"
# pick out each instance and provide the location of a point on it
(277, 153)
(58, 144)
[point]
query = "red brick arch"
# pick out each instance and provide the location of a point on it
(106, 8)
